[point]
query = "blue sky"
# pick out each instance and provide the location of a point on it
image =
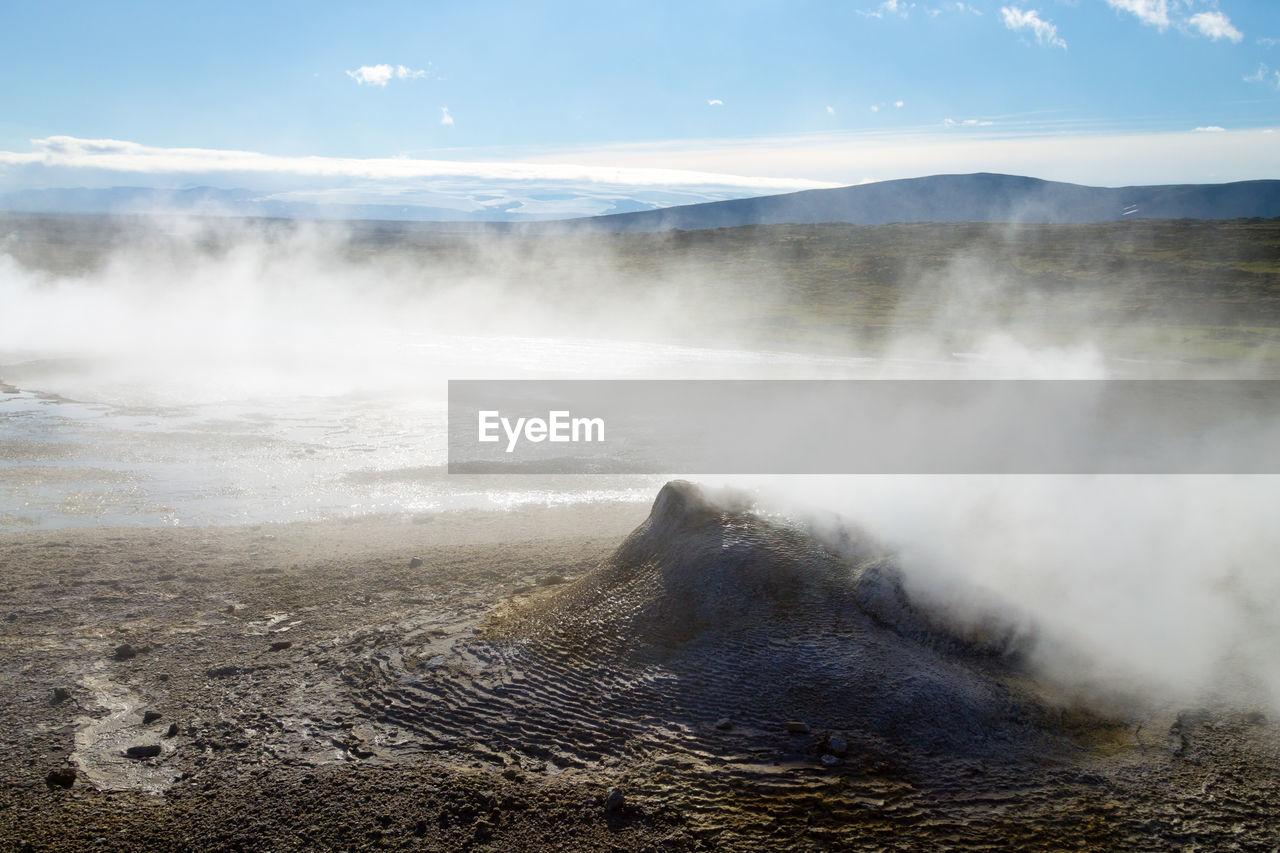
(782, 94)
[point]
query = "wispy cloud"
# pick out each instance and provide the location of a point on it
(1211, 128)
(715, 102)
(1153, 13)
(969, 122)
(831, 110)
(381, 75)
(1266, 76)
(901, 8)
(898, 104)
(1216, 26)
(445, 117)
(113, 155)
(1267, 42)
(1019, 19)
(1211, 24)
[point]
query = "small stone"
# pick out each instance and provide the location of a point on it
(724, 724)
(1255, 718)
(148, 750)
(837, 744)
(797, 727)
(63, 777)
(60, 694)
(172, 730)
(125, 652)
(415, 562)
(483, 830)
(150, 717)
(281, 645)
(552, 580)
(829, 760)
(614, 801)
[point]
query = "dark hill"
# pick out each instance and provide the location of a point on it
(963, 198)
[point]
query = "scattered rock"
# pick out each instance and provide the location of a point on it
(149, 717)
(172, 730)
(1255, 718)
(281, 645)
(223, 671)
(837, 744)
(164, 676)
(415, 562)
(614, 801)
(552, 580)
(60, 694)
(483, 830)
(125, 651)
(63, 777)
(724, 724)
(147, 750)
(829, 760)
(797, 727)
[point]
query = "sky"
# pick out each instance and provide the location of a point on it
(570, 105)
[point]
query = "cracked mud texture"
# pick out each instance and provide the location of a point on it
(742, 683)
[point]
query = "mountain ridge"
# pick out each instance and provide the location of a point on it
(976, 197)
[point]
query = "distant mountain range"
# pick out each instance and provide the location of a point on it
(980, 197)
(941, 198)
(216, 201)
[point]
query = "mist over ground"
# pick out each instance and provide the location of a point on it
(316, 355)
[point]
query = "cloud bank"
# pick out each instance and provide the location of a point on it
(113, 155)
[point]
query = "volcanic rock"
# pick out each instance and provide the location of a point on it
(62, 777)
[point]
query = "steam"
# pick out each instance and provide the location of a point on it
(1159, 588)
(1164, 586)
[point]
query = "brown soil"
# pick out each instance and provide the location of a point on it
(328, 696)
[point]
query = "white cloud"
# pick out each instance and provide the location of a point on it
(112, 155)
(1268, 42)
(372, 75)
(1215, 25)
(831, 110)
(1265, 75)
(901, 8)
(381, 75)
(1018, 19)
(403, 73)
(875, 108)
(898, 104)
(1153, 13)
(1211, 128)
(445, 118)
(969, 122)
(715, 102)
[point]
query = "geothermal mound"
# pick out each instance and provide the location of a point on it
(713, 637)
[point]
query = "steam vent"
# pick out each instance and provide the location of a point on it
(763, 658)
